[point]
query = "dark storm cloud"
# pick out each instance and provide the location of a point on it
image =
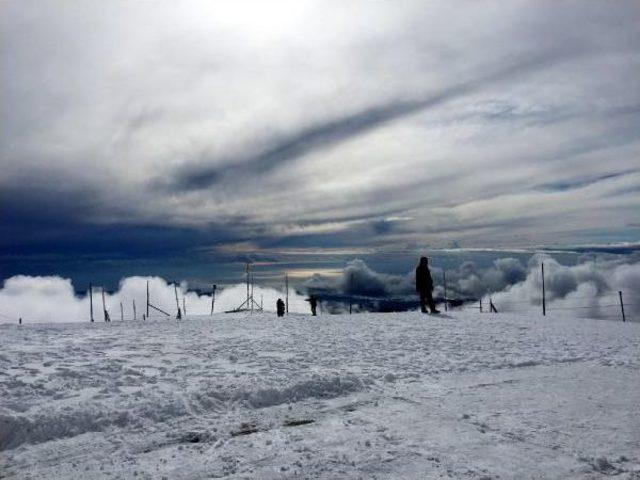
(583, 182)
(184, 126)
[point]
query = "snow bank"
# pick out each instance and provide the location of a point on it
(388, 395)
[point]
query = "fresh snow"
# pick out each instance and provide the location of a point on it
(394, 396)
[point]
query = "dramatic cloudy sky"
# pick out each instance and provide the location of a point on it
(185, 130)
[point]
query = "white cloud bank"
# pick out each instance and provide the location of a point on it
(52, 299)
(588, 289)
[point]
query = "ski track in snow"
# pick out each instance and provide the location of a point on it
(398, 396)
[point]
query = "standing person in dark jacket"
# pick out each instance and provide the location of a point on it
(424, 286)
(280, 307)
(313, 302)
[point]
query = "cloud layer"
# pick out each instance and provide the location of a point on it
(588, 289)
(52, 299)
(315, 124)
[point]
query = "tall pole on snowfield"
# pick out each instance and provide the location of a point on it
(104, 308)
(286, 287)
(91, 301)
(252, 282)
(544, 299)
(480, 305)
(622, 306)
(184, 307)
(247, 269)
(175, 289)
(121, 312)
(444, 281)
(350, 289)
(147, 298)
(213, 297)
(134, 309)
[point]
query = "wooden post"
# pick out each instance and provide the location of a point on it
(104, 308)
(121, 312)
(544, 299)
(622, 306)
(213, 297)
(444, 281)
(134, 309)
(147, 299)
(286, 286)
(91, 301)
(350, 289)
(492, 307)
(480, 305)
(175, 289)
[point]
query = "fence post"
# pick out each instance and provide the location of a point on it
(622, 306)
(492, 307)
(480, 305)
(91, 301)
(213, 297)
(147, 299)
(544, 300)
(175, 289)
(134, 309)
(444, 281)
(121, 313)
(350, 289)
(286, 286)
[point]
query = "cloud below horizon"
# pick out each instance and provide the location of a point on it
(53, 299)
(587, 289)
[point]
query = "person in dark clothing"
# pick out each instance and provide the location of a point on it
(424, 286)
(313, 302)
(280, 307)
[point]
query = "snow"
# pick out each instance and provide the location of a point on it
(402, 396)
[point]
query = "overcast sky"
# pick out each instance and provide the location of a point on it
(137, 127)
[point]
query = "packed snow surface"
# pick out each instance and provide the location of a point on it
(402, 396)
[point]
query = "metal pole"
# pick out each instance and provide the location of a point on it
(350, 288)
(91, 301)
(622, 306)
(104, 308)
(247, 268)
(134, 309)
(286, 286)
(252, 282)
(480, 305)
(121, 312)
(147, 299)
(444, 281)
(184, 307)
(213, 297)
(544, 300)
(175, 289)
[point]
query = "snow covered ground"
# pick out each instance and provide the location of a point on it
(399, 396)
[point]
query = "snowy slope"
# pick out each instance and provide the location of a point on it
(463, 395)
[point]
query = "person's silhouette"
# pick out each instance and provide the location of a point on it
(313, 302)
(424, 286)
(280, 307)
